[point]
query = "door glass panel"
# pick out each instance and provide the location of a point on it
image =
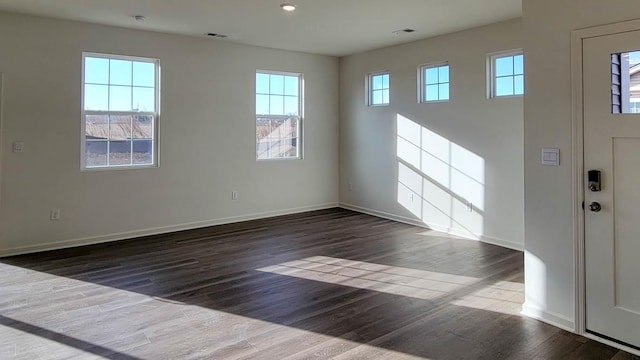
(625, 82)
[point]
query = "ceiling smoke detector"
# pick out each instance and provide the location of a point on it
(219, 36)
(403, 31)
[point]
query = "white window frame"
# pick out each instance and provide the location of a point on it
(156, 115)
(370, 90)
(300, 117)
(491, 73)
(422, 82)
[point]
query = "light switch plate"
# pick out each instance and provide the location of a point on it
(550, 156)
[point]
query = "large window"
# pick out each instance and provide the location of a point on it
(434, 85)
(507, 74)
(120, 111)
(378, 89)
(278, 115)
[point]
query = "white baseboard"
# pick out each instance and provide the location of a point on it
(158, 230)
(557, 320)
(486, 239)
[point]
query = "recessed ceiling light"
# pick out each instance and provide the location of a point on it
(288, 7)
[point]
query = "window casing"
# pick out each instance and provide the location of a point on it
(378, 89)
(506, 74)
(434, 83)
(279, 113)
(120, 111)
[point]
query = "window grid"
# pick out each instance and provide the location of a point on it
(507, 81)
(435, 90)
(379, 89)
(123, 149)
(278, 115)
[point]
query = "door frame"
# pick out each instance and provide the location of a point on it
(1, 129)
(577, 125)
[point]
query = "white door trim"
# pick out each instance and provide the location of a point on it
(577, 124)
(1, 131)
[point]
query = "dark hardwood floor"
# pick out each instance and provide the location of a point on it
(325, 284)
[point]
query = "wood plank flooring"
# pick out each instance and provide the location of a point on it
(331, 284)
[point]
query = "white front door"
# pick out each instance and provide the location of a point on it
(612, 146)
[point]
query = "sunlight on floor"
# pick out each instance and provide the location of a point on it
(362, 275)
(102, 319)
(503, 296)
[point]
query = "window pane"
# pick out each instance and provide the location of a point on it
(276, 138)
(291, 105)
(120, 127)
(144, 74)
(431, 76)
(119, 98)
(376, 82)
(385, 81)
(96, 70)
(504, 66)
(518, 64)
(277, 84)
(143, 126)
(432, 93)
(144, 99)
(291, 85)
(120, 153)
(96, 127)
(276, 105)
(120, 72)
(262, 104)
(385, 96)
(625, 82)
(376, 98)
(443, 73)
(443, 92)
(519, 85)
(262, 84)
(504, 86)
(96, 97)
(95, 153)
(143, 152)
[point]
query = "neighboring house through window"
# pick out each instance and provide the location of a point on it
(119, 111)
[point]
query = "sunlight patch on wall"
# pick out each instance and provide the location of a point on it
(439, 181)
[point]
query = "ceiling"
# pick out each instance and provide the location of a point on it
(329, 27)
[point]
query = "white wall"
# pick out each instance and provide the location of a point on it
(383, 176)
(207, 137)
(549, 238)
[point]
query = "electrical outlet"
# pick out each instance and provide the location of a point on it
(54, 214)
(17, 146)
(234, 195)
(350, 186)
(411, 197)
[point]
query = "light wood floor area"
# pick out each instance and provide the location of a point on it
(331, 284)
